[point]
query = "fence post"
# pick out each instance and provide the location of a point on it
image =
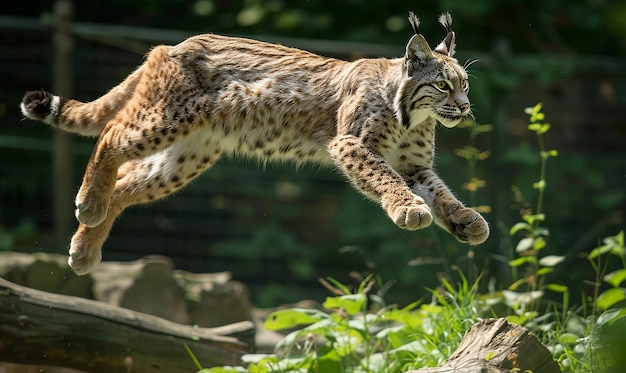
(62, 155)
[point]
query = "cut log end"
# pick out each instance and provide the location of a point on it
(495, 345)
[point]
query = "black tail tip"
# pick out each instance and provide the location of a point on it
(37, 104)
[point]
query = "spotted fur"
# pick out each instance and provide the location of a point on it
(189, 104)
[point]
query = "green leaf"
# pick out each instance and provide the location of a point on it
(519, 227)
(544, 271)
(610, 298)
(568, 338)
(551, 260)
(256, 358)
(320, 328)
(524, 244)
(523, 318)
(535, 127)
(328, 360)
(540, 185)
(616, 278)
(599, 251)
(539, 243)
(611, 316)
(482, 128)
(553, 153)
(557, 288)
(521, 260)
(289, 318)
(431, 308)
(511, 298)
(338, 285)
(545, 127)
(411, 319)
(517, 284)
(535, 112)
(351, 303)
(467, 152)
(532, 218)
(225, 369)
(541, 231)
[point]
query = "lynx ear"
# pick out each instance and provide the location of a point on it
(448, 44)
(418, 51)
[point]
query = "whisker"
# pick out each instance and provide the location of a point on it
(469, 63)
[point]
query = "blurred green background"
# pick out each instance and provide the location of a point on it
(277, 228)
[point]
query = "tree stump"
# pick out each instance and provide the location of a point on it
(497, 346)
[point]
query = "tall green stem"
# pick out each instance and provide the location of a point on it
(542, 178)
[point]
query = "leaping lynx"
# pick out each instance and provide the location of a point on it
(188, 104)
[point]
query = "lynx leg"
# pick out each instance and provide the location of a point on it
(376, 179)
(465, 224)
(92, 200)
(119, 143)
(139, 181)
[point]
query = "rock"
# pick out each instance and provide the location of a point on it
(150, 285)
(146, 285)
(47, 272)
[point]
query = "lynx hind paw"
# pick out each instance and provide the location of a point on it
(90, 212)
(411, 217)
(83, 259)
(469, 226)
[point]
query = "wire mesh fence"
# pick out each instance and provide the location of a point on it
(277, 227)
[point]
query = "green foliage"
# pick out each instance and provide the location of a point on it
(575, 337)
(472, 155)
(615, 296)
(535, 239)
(356, 334)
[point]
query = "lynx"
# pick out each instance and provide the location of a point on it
(188, 104)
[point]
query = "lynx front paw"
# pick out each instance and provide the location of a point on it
(412, 217)
(469, 226)
(83, 258)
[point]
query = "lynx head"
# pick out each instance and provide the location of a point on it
(433, 83)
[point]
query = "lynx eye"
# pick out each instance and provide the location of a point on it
(443, 85)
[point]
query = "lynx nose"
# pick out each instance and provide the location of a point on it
(464, 107)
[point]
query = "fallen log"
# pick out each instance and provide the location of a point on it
(37, 327)
(497, 346)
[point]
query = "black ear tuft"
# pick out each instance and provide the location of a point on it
(414, 21)
(446, 21)
(448, 44)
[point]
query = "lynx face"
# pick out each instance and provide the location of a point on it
(436, 85)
